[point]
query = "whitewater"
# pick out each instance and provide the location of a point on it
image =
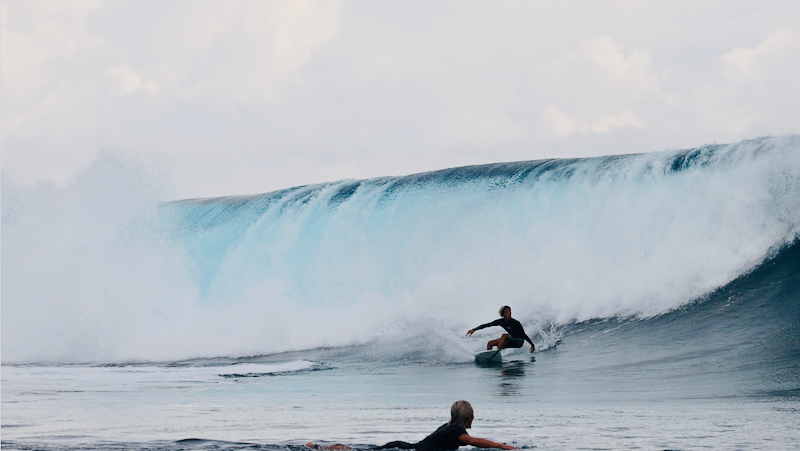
(661, 290)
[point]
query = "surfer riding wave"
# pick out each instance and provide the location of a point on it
(515, 337)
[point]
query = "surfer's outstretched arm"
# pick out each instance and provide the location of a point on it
(484, 326)
(482, 442)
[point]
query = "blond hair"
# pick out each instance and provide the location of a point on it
(460, 413)
(503, 309)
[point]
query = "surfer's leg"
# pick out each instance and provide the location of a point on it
(501, 342)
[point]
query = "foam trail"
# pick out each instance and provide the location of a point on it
(406, 258)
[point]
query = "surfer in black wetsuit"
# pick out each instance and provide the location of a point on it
(448, 437)
(515, 337)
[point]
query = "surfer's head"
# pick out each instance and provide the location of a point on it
(503, 310)
(461, 414)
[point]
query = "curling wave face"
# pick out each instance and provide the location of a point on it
(391, 259)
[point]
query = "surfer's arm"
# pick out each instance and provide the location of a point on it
(528, 339)
(484, 326)
(482, 442)
(519, 331)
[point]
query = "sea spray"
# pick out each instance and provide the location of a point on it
(413, 259)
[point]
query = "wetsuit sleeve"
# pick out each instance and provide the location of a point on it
(493, 323)
(528, 339)
(524, 335)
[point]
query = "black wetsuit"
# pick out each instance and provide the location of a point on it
(514, 329)
(443, 439)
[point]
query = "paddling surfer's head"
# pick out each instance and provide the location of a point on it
(503, 310)
(461, 414)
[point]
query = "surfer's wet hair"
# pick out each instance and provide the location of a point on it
(503, 309)
(460, 413)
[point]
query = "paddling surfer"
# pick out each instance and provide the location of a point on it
(449, 437)
(516, 336)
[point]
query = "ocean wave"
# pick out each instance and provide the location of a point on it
(96, 273)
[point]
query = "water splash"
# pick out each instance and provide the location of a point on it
(350, 262)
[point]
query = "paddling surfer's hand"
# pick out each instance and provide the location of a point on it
(470, 332)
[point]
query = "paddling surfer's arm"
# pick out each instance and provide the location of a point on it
(482, 442)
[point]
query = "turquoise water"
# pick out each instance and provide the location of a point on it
(662, 292)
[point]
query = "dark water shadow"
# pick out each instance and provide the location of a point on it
(511, 375)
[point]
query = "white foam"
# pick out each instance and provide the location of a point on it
(90, 274)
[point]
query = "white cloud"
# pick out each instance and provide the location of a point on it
(634, 71)
(58, 56)
(246, 50)
(562, 125)
(599, 69)
(558, 123)
(55, 32)
(597, 88)
(609, 121)
(478, 128)
(125, 80)
(757, 92)
(248, 96)
(757, 65)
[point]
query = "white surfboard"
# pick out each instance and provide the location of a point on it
(489, 357)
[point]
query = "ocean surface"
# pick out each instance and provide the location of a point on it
(662, 292)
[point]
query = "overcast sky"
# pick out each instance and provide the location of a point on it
(236, 97)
